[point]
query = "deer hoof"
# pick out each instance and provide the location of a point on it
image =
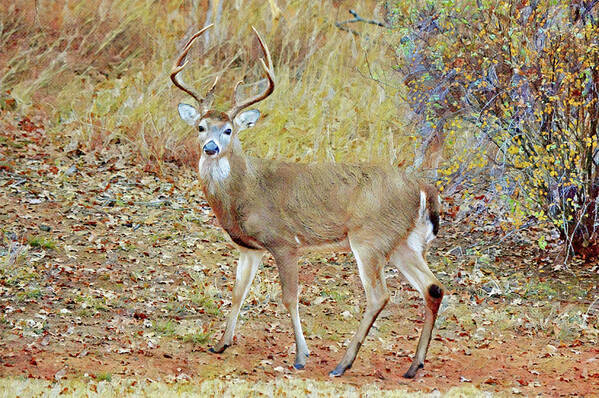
(338, 371)
(300, 360)
(218, 350)
(412, 371)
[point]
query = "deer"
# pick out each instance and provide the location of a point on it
(381, 214)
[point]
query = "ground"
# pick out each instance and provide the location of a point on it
(114, 270)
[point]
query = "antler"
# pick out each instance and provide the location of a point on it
(270, 75)
(206, 102)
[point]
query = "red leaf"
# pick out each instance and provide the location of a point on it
(491, 380)
(140, 315)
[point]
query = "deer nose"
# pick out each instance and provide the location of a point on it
(210, 148)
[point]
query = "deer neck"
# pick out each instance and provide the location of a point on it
(222, 179)
(214, 172)
(220, 176)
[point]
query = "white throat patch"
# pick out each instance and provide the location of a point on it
(212, 171)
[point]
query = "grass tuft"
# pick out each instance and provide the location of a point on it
(104, 376)
(165, 328)
(42, 242)
(197, 337)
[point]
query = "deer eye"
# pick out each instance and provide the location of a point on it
(201, 128)
(227, 132)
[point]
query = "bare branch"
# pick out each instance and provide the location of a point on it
(358, 18)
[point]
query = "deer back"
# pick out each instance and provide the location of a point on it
(266, 203)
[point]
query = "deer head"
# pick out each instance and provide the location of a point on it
(217, 130)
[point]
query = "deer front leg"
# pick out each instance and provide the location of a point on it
(370, 267)
(288, 273)
(248, 263)
(412, 265)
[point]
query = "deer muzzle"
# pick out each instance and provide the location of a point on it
(211, 148)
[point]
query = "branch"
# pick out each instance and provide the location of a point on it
(358, 18)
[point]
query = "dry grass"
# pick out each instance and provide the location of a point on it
(290, 387)
(100, 76)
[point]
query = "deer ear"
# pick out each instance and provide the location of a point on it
(247, 119)
(189, 114)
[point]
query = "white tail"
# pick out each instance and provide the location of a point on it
(380, 214)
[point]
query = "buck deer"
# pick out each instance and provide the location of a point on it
(381, 215)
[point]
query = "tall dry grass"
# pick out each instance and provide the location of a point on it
(99, 72)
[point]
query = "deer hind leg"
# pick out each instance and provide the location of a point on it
(412, 265)
(288, 273)
(248, 263)
(371, 269)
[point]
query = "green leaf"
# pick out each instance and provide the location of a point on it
(542, 243)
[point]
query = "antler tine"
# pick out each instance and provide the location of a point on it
(239, 83)
(180, 65)
(207, 101)
(270, 75)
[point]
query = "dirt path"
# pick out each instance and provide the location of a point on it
(106, 269)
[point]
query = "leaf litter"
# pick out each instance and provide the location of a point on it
(108, 269)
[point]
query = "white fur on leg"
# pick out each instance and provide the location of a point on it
(248, 263)
(422, 234)
(422, 210)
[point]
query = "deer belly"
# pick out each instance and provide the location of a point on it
(332, 246)
(245, 241)
(320, 235)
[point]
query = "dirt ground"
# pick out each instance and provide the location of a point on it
(110, 267)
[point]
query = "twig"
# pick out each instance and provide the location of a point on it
(377, 81)
(524, 226)
(591, 307)
(13, 253)
(358, 18)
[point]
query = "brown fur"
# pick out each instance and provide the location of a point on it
(289, 198)
(216, 115)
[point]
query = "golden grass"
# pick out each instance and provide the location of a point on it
(284, 387)
(100, 75)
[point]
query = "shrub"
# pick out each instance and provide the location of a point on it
(523, 76)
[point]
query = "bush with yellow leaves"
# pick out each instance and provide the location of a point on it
(523, 76)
